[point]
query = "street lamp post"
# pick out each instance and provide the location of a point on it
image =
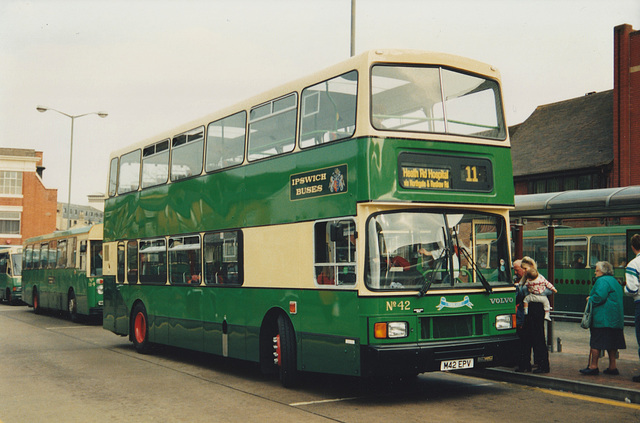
(43, 109)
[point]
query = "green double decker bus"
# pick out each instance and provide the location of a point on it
(11, 274)
(62, 271)
(328, 225)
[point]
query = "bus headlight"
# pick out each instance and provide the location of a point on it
(391, 330)
(505, 321)
(100, 286)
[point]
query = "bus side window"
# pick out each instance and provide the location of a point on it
(223, 258)
(152, 255)
(329, 110)
(120, 263)
(129, 172)
(83, 255)
(73, 251)
(155, 164)
(4, 261)
(36, 257)
(611, 248)
(53, 254)
(335, 252)
(96, 258)
(570, 253)
(44, 255)
(62, 254)
(113, 176)
(184, 260)
(225, 142)
(186, 154)
(272, 127)
(28, 257)
(132, 262)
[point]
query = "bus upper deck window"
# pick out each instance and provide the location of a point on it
(129, 173)
(329, 110)
(225, 142)
(435, 99)
(186, 154)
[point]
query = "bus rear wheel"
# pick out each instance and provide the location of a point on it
(140, 329)
(36, 301)
(285, 348)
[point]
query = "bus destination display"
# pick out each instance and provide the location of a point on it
(434, 172)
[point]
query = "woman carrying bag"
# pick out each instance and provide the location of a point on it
(607, 320)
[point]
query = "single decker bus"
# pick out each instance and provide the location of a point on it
(577, 250)
(328, 225)
(62, 271)
(11, 274)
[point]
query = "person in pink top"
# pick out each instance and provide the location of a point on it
(536, 285)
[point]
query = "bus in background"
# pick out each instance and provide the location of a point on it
(11, 274)
(328, 225)
(62, 271)
(577, 250)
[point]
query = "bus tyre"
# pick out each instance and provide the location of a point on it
(36, 301)
(285, 346)
(140, 329)
(72, 306)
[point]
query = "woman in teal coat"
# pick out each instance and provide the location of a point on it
(607, 326)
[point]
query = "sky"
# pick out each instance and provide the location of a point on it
(155, 64)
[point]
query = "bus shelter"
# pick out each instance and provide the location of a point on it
(608, 207)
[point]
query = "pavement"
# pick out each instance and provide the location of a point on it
(569, 354)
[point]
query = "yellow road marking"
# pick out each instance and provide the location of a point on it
(591, 399)
(298, 404)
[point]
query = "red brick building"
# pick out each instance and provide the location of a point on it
(626, 107)
(27, 208)
(587, 142)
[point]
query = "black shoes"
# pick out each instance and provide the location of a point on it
(541, 370)
(523, 369)
(612, 372)
(590, 372)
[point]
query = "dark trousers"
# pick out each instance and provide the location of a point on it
(524, 349)
(534, 338)
(637, 306)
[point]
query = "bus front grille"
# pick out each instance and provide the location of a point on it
(447, 327)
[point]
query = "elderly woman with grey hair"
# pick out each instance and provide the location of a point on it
(607, 326)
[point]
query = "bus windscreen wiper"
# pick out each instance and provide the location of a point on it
(476, 270)
(427, 283)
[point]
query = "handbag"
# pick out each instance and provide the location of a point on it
(587, 317)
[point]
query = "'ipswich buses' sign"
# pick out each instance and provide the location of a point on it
(317, 183)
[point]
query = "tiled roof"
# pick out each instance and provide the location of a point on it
(568, 135)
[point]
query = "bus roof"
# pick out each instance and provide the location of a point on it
(360, 62)
(600, 230)
(12, 249)
(93, 232)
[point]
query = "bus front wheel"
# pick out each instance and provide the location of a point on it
(285, 346)
(140, 329)
(72, 306)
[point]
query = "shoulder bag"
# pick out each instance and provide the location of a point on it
(586, 316)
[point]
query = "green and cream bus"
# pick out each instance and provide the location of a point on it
(328, 225)
(62, 271)
(11, 274)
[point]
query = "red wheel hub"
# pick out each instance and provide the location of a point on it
(140, 328)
